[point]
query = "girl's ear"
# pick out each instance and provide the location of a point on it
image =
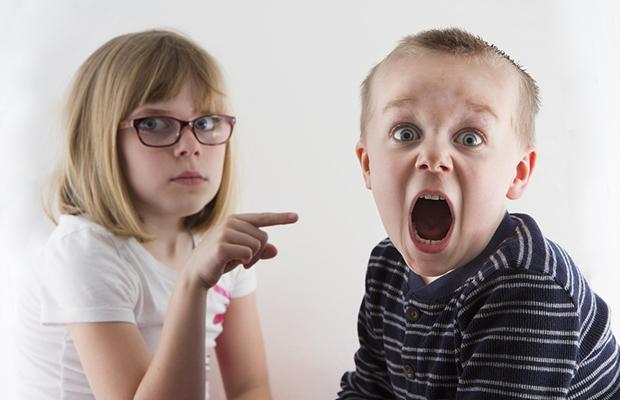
(362, 156)
(524, 170)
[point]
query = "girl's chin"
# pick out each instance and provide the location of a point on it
(192, 211)
(183, 211)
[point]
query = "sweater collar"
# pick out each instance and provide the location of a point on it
(447, 284)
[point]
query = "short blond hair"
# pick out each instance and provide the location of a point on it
(120, 76)
(458, 42)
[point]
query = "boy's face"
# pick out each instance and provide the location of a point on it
(441, 154)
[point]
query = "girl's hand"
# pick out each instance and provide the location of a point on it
(237, 240)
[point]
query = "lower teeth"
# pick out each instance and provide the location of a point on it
(425, 241)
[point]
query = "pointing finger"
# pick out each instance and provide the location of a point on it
(269, 219)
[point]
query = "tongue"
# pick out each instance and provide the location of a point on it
(431, 218)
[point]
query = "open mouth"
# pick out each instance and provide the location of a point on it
(431, 219)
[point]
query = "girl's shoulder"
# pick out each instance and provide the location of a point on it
(72, 224)
(77, 235)
(83, 275)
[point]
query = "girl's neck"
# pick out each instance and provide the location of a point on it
(172, 245)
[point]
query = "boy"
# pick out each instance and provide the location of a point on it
(464, 300)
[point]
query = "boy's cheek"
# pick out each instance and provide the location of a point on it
(390, 208)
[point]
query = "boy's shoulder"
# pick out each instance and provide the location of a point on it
(527, 250)
(528, 258)
(386, 260)
(387, 274)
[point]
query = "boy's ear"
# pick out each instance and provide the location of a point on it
(362, 156)
(525, 167)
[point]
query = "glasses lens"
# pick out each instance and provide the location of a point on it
(212, 129)
(158, 131)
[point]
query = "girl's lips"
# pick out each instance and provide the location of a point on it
(188, 174)
(190, 178)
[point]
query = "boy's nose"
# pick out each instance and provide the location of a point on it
(187, 144)
(434, 159)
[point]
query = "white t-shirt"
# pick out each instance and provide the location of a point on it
(87, 274)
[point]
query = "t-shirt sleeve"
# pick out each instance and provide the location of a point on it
(244, 281)
(82, 278)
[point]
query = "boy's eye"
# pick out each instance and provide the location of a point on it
(405, 133)
(469, 138)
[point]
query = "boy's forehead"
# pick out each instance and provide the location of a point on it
(474, 106)
(473, 83)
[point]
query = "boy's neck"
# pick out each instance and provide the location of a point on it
(503, 228)
(429, 279)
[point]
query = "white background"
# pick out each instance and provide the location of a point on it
(294, 70)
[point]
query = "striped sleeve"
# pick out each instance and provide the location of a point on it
(370, 380)
(519, 338)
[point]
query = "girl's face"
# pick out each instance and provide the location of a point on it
(175, 181)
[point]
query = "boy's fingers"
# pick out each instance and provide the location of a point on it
(269, 219)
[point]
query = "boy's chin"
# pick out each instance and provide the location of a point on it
(428, 265)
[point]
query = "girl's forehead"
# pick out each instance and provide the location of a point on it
(189, 99)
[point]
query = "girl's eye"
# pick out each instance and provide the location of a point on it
(153, 124)
(405, 134)
(205, 123)
(469, 139)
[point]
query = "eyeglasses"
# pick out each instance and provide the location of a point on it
(210, 130)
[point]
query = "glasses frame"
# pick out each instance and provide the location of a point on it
(183, 123)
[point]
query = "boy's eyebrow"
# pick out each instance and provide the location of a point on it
(476, 107)
(481, 108)
(399, 102)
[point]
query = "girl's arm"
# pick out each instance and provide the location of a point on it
(241, 353)
(117, 363)
(114, 355)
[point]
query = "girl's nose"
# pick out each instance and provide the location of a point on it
(187, 144)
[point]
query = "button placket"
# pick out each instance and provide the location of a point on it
(408, 371)
(413, 314)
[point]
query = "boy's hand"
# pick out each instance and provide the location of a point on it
(237, 240)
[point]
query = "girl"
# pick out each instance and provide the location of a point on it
(140, 275)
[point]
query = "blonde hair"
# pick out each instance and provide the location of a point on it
(120, 76)
(458, 42)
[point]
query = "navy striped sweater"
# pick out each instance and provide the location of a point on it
(517, 322)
